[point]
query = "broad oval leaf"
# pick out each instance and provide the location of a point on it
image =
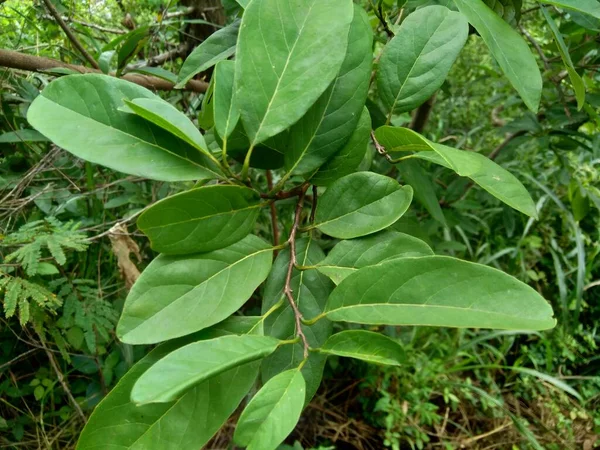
(80, 113)
(349, 256)
(167, 117)
(272, 413)
(347, 160)
(217, 47)
(415, 63)
(365, 345)
(508, 48)
(590, 7)
(360, 204)
(188, 422)
(310, 290)
(289, 52)
(486, 173)
(201, 220)
(194, 363)
(438, 291)
(178, 295)
(330, 122)
(226, 111)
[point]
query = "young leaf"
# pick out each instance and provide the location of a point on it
(217, 47)
(226, 111)
(576, 81)
(310, 290)
(349, 256)
(415, 63)
(80, 114)
(289, 52)
(508, 48)
(330, 122)
(415, 176)
(347, 160)
(438, 291)
(590, 7)
(483, 171)
(189, 422)
(365, 345)
(201, 220)
(167, 117)
(272, 413)
(191, 364)
(360, 204)
(178, 295)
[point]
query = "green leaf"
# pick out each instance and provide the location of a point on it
(188, 366)
(415, 63)
(167, 117)
(13, 137)
(201, 220)
(272, 413)
(349, 256)
(178, 295)
(483, 171)
(226, 111)
(590, 7)
(438, 291)
(365, 345)
(360, 204)
(576, 81)
(217, 47)
(423, 187)
(330, 122)
(347, 160)
(133, 43)
(80, 114)
(289, 52)
(508, 48)
(310, 290)
(189, 422)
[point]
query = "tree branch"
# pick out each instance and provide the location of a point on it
(422, 115)
(70, 34)
(89, 25)
(22, 61)
(287, 289)
(381, 149)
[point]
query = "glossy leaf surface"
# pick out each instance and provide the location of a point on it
(365, 345)
(80, 113)
(191, 364)
(483, 171)
(289, 52)
(508, 48)
(178, 295)
(226, 111)
(201, 220)
(331, 121)
(590, 7)
(310, 290)
(438, 291)
(347, 160)
(415, 63)
(272, 413)
(360, 204)
(349, 256)
(217, 47)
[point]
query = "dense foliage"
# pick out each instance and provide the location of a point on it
(220, 127)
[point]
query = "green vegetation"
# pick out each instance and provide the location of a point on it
(299, 224)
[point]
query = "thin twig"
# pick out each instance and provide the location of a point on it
(379, 13)
(313, 210)
(70, 34)
(287, 289)
(273, 212)
(380, 148)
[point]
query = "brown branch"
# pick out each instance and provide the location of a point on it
(422, 115)
(70, 34)
(180, 51)
(22, 61)
(282, 195)
(273, 212)
(287, 289)
(380, 148)
(88, 25)
(313, 210)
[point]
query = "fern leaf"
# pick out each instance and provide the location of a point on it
(23, 311)
(11, 294)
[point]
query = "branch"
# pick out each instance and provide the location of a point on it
(70, 34)
(381, 149)
(379, 13)
(293, 262)
(89, 25)
(16, 60)
(422, 115)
